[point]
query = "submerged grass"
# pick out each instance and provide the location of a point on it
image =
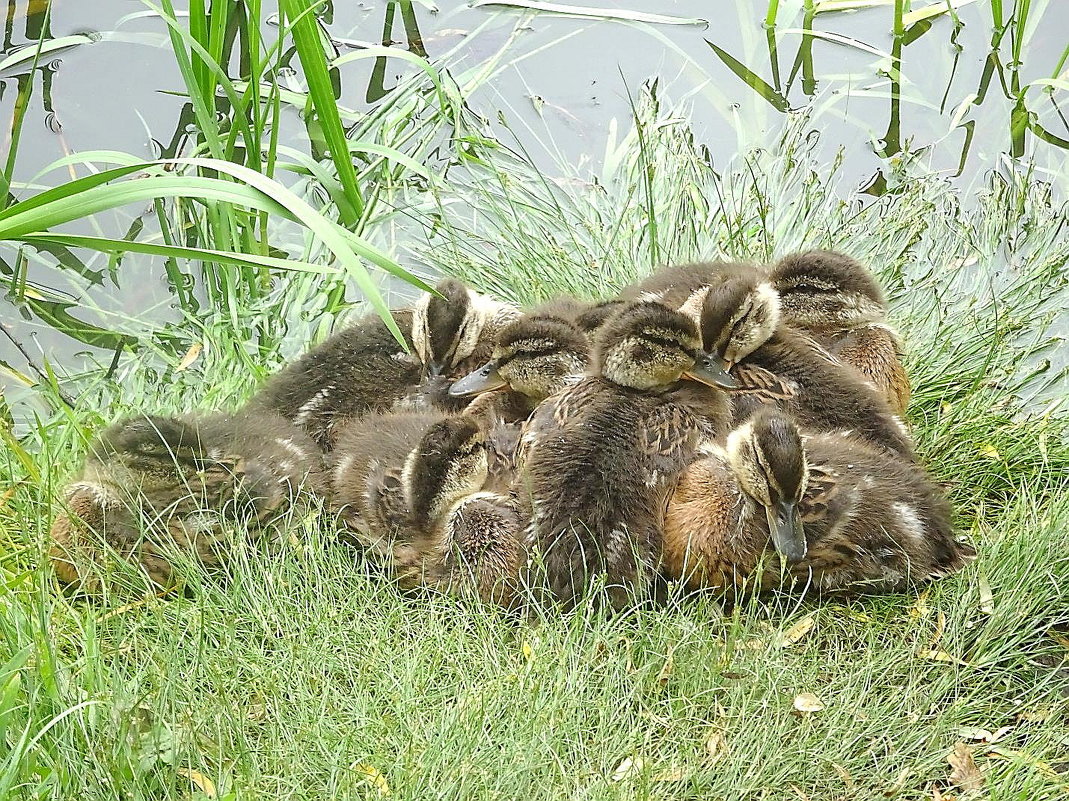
(302, 674)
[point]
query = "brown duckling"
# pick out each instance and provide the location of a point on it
(597, 460)
(673, 285)
(838, 514)
(837, 300)
(150, 483)
(424, 511)
(740, 322)
(364, 369)
(535, 357)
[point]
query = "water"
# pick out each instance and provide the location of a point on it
(963, 93)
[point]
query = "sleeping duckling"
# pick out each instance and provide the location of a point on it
(363, 369)
(463, 540)
(838, 514)
(150, 483)
(535, 357)
(838, 301)
(366, 471)
(598, 459)
(419, 503)
(740, 322)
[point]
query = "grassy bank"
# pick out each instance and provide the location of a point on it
(302, 674)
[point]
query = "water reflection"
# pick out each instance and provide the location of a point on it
(962, 90)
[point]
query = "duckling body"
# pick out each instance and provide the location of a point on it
(741, 327)
(413, 486)
(870, 522)
(150, 483)
(363, 369)
(597, 460)
(837, 300)
(673, 285)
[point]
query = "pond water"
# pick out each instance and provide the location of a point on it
(968, 92)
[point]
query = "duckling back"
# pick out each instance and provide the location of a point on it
(874, 523)
(822, 394)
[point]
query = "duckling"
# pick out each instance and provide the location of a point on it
(838, 514)
(598, 459)
(178, 480)
(366, 471)
(363, 369)
(423, 509)
(740, 323)
(535, 357)
(463, 539)
(838, 301)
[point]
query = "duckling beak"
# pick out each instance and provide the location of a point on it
(711, 369)
(787, 533)
(485, 379)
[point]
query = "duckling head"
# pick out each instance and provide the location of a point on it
(768, 458)
(822, 288)
(735, 318)
(150, 444)
(447, 324)
(535, 356)
(450, 463)
(649, 346)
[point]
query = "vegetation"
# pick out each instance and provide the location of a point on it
(303, 674)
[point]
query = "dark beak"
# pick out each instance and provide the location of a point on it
(712, 370)
(785, 524)
(485, 379)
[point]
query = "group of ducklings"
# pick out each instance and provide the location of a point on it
(727, 426)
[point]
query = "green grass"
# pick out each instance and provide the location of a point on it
(303, 674)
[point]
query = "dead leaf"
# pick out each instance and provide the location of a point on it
(965, 773)
(940, 627)
(848, 780)
(752, 644)
(666, 670)
(796, 632)
(673, 773)
(629, 768)
(940, 656)
(528, 652)
(799, 792)
(202, 782)
(983, 735)
(716, 745)
(371, 775)
(987, 599)
(191, 356)
(807, 702)
(920, 607)
(990, 452)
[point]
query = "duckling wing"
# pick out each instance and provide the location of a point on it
(763, 384)
(822, 488)
(667, 441)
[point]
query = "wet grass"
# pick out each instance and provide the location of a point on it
(302, 674)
